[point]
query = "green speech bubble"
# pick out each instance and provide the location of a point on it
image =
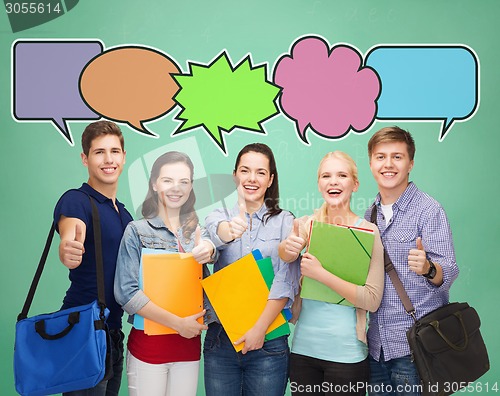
(220, 98)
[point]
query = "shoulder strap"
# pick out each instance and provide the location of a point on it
(99, 263)
(393, 275)
(38, 274)
(96, 222)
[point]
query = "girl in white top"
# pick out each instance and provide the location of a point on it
(329, 351)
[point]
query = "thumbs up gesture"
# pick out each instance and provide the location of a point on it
(294, 243)
(238, 224)
(417, 258)
(203, 250)
(71, 248)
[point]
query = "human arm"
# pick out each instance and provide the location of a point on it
(367, 296)
(230, 230)
(133, 300)
(72, 214)
(418, 263)
(254, 337)
(290, 248)
(187, 327)
(204, 249)
(312, 268)
(71, 246)
(281, 295)
(237, 223)
(434, 244)
(285, 282)
(217, 222)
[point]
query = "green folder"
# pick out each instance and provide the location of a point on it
(345, 252)
(266, 269)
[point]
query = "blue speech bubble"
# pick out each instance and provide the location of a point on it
(426, 83)
(45, 81)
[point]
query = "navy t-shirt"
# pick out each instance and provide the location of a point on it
(83, 288)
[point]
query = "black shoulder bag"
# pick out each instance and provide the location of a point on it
(446, 344)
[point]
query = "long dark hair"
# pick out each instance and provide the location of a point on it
(150, 209)
(272, 194)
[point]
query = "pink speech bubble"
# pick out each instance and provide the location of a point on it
(327, 90)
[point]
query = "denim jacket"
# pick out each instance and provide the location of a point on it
(151, 234)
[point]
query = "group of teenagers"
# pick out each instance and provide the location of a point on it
(336, 349)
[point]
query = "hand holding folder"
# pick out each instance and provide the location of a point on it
(239, 293)
(171, 281)
(344, 251)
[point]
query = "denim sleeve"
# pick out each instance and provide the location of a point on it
(126, 286)
(286, 275)
(205, 236)
(212, 222)
(282, 286)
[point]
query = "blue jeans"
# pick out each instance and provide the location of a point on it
(257, 373)
(394, 377)
(110, 387)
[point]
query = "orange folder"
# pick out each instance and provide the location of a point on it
(172, 281)
(239, 295)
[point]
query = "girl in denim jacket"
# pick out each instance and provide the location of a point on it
(162, 364)
(255, 222)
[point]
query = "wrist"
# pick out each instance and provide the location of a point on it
(319, 274)
(431, 273)
(260, 328)
(224, 232)
(291, 256)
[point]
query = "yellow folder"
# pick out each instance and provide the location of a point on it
(239, 295)
(172, 281)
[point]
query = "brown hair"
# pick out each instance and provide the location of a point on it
(272, 194)
(98, 129)
(392, 134)
(150, 209)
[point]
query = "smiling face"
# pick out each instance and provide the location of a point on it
(173, 185)
(336, 181)
(104, 162)
(390, 164)
(253, 177)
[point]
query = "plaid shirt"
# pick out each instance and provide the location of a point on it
(414, 214)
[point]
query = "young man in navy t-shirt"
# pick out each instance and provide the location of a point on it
(104, 156)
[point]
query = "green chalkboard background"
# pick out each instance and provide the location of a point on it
(37, 164)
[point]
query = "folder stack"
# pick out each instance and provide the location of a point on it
(239, 294)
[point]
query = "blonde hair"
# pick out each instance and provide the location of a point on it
(353, 169)
(321, 214)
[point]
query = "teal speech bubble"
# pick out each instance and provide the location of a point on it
(220, 98)
(422, 82)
